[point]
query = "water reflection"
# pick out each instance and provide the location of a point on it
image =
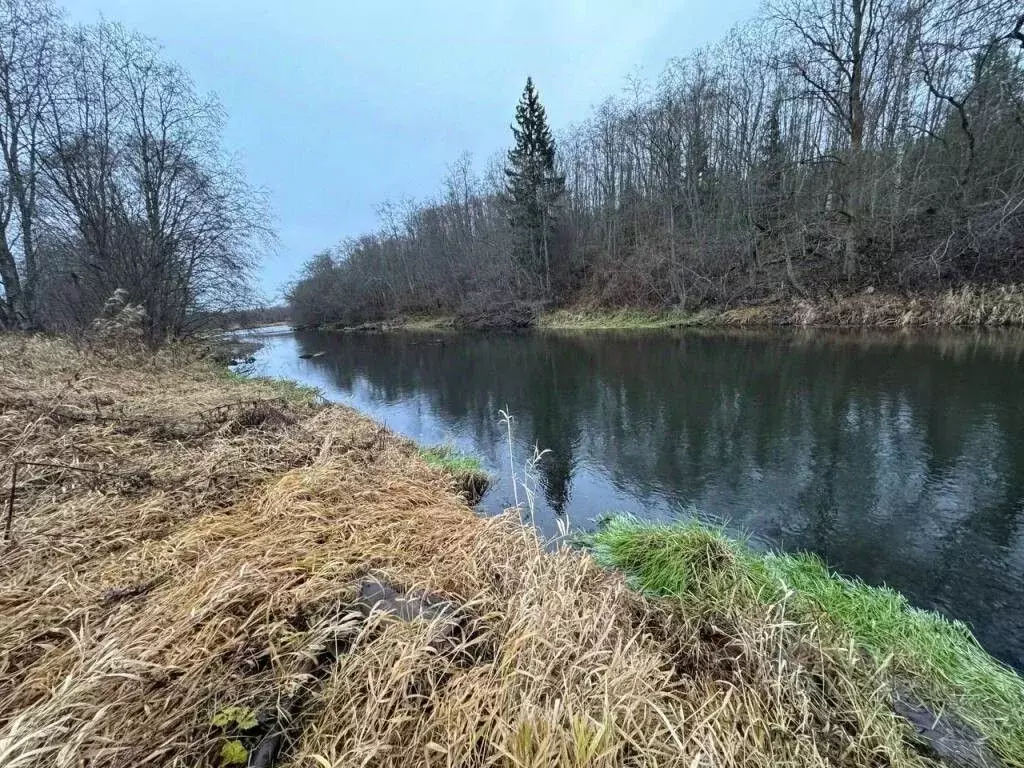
(899, 460)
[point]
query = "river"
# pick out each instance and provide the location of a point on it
(898, 459)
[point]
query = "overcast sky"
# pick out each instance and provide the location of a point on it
(335, 106)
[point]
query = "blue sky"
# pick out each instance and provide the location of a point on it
(335, 107)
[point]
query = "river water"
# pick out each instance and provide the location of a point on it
(898, 459)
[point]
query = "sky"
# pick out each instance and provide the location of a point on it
(335, 107)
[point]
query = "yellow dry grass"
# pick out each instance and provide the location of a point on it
(215, 570)
(965, 307)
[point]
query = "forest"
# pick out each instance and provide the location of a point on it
(825, 148)
(113, 176)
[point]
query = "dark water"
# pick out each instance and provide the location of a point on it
(898, 460)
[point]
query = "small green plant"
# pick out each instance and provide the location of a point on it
(234, 719)
(233, 753)
(242, 718)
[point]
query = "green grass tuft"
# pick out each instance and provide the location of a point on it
(939, 660)
(446, 458)
(293, 391)
(467, 471)
(690, 561)
(287, 389)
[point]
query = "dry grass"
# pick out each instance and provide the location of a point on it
(221, 572)
(969, 306)
(1003, 305)
(586, 319)
(939, 662)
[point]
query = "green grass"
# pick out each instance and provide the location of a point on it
(293, 391)
(466, 471)
(939, 660)
(286, 389)
(447, 459)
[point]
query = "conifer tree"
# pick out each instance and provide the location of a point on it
(533, 187)
(771, 167)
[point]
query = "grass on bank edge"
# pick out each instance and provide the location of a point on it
(940, 661)
(963, 307)
(467, 472)
(623, 319)
(447, 459)
(287, 389)
(966, 306)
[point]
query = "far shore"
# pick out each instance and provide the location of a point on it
(967, 307)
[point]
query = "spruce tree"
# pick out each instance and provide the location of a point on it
(533, 187)
(771, 167)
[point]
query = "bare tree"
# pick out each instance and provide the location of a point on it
(141, 195)
(27, 42)
(828, 146)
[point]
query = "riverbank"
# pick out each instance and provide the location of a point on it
(967, 307)
(190, 582)
(962, 308)
(935, 666)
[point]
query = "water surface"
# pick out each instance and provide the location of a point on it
(897, 459)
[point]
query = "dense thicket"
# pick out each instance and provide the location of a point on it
(827, 146)
(112, 177)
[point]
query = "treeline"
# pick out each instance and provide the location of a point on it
(113, 177)
(828, 146)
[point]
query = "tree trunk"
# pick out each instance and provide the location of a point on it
(547, 259)
(14, 297)
(856, 107)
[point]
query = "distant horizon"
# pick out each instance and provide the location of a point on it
(336, 111)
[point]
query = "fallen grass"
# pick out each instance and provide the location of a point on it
(968, 306)
(940, 661)
(466, 472)
(439, 323)
(620, 319)
(150, 615)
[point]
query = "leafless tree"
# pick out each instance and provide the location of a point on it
(827, 146)
(114, 178)
(28, 33)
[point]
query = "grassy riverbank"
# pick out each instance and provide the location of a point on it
(185, 585)
(965, 307)
(466, 472)
(937, 662)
